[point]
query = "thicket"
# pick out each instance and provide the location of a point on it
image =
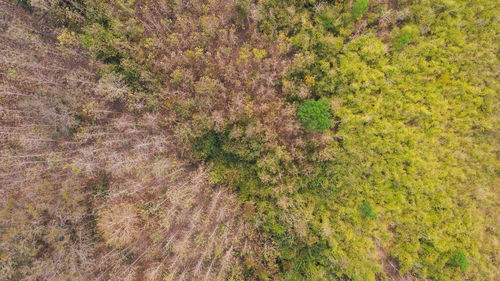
(22, 2)
(315, 115)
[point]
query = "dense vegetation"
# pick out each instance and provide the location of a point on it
(250, 140)
(414, 89)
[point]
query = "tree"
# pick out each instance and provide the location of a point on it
(366, 210)
(460, 260)
(314, 115)
(359, 8)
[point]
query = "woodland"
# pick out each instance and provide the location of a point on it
(350, 140)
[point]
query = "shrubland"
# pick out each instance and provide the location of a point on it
(241, 140)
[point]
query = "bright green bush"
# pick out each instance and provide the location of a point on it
(359, 8)
(402, 41)
(208, 145)
(408, 34)
(366, 210)
(460, 260)
(315, 115)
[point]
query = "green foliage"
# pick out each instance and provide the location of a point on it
(409, 33)
(359, 7)
(208, 145)
(23, 2)
(242, 10)
(116, 43)
(366, 210)
(99, 185)
(402, 41)
(460, 260)
(315, 115)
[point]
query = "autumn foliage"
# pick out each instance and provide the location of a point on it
(249, 140)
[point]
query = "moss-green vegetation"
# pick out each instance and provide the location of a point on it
(22, 2)
(416, 138)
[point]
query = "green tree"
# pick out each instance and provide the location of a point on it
(460, 260)
(366, 210)
(314, 115)
(359, 8)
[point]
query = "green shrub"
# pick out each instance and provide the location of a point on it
(366, 210)
(359, 8)
(402, 41)
(408, 34)
(314, 115)
(101, 42)
(330, 45)
(242, 8)
(209, 145)
(100, 184)
(460, 260)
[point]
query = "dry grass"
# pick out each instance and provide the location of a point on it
(119, 224)
(92, 192)
(228, 69)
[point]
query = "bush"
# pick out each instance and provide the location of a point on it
(460, 260)
(359, 8)
(314, 115)
(366, 210)
(408, 34)
(242, 10)
(402, 41)
(208, 146)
